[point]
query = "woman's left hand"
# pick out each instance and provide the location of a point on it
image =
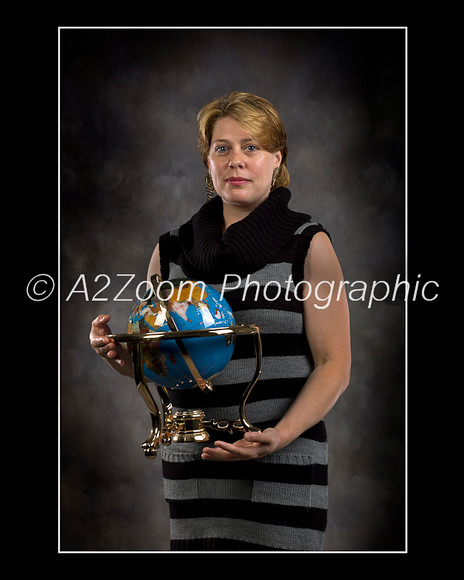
(254, 444)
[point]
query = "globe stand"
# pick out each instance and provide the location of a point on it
(189, 425)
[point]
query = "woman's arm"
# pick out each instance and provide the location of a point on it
(327, 326)
(326, 319)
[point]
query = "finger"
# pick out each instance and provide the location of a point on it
(104, 346)
(234, 451)
(100, 319)
(99, 342)
(100, 326)
(112, 350)
(233, 448)
(258, 437)
(216, 454)
(115, 354)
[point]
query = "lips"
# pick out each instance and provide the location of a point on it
(237, 180)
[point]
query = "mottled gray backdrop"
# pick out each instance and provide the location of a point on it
(130, 171)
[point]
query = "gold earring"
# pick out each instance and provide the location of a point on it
(274, 176)
(210, 191)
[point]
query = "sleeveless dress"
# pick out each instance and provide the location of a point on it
(278, 502)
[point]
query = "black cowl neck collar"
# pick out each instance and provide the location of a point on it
(246, 246)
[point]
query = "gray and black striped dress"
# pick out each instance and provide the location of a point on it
(278, 502)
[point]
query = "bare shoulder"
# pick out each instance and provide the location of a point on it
(321, 260)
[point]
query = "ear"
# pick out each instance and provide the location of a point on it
(278, 158)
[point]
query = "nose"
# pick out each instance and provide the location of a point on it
(235, 163)
(235, 160)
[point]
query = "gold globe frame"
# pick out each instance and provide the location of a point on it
(189, 425)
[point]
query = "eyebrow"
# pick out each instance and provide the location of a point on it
(247, 140)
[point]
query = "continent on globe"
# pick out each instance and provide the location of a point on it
(192, 307)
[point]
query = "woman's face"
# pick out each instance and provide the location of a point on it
(241, 170)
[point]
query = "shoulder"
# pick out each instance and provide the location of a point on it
(321, 260)
(320, 243)
(304, 237)
(308, 229)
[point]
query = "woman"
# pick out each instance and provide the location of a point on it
(262, 490)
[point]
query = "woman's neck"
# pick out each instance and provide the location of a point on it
(232, 215)
(235, 213)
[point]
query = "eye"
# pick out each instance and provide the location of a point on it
(221, 149)
(251, 148)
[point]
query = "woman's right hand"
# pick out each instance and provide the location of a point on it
(112, 352)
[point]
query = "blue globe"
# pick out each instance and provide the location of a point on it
(192, 305)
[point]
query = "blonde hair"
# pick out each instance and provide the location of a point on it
(257, 117)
